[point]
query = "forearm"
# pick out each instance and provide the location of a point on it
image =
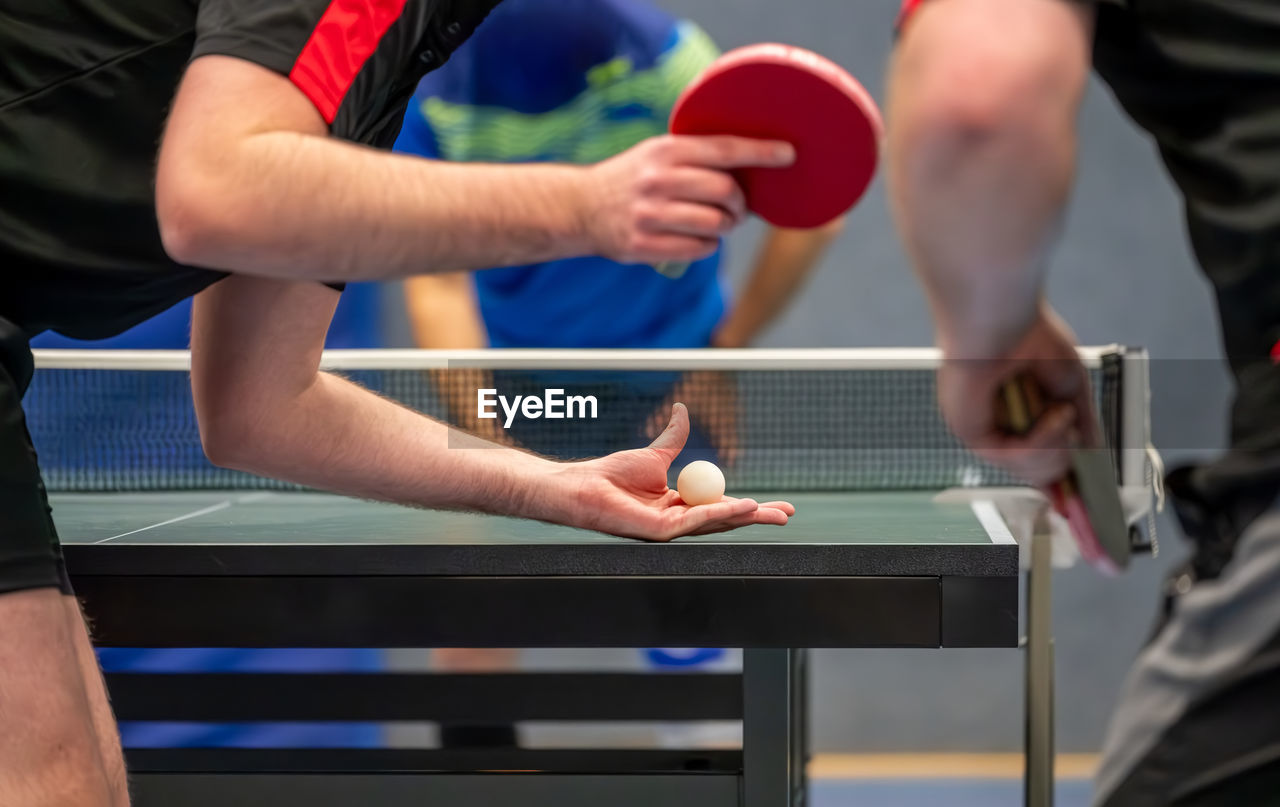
(336, 436)
(444, 315)
(248, 181)
(443, 312)
(979, 176)
(308, 207)
(977, 216)
(782, 265)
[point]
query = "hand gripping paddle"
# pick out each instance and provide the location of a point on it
(1089, 497)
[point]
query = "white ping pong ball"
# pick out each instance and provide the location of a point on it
(700, 482)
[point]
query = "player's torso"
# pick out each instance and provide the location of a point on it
(85, 86)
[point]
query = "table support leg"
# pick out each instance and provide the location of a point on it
(1039, 682)
(770, 733)
(800, 725)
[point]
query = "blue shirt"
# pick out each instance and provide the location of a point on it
(571, 81)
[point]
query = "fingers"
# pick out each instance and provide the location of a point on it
(654, 248)
(728, 152)
(685, 214)
(786, 507)
(730, 514)
(705, 222)
(1065, 379)
(762, 515)
(1058, 379)
(672, 198)
(774, 516)
(705, 186)
(1043, 455)
(705, 518)
(671, 442)
(718, 517)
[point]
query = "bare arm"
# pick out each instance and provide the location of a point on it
(249, 182)
(443, 312)
(263, 407)
(783, 263)
(981, 157)
(979, 177)
(445, 315)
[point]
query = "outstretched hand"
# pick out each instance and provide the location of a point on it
(626, 494)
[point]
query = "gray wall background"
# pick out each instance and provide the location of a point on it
(1123, 274)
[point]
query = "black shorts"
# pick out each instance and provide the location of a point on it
(30, 555)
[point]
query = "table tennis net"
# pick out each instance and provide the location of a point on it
(773, 420)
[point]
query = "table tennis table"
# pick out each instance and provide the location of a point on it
(903, 539)
(283, 569)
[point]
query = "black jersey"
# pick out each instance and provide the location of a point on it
(84, 89)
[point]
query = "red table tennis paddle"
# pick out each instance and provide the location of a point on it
(780, 92)
(1089, 497)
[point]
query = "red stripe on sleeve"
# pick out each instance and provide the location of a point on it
(908, 8)
(346, 36)
(1275, 353)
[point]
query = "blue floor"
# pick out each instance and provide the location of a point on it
(934, 792)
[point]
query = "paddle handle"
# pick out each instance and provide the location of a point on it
(1023, 405)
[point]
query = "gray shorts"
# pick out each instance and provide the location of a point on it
(1199, 721)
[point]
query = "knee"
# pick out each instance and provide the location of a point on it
(64, 772)
(61, 764)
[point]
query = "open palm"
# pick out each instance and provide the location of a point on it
(626, 494)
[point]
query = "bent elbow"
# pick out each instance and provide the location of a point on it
(963, 125)
(193, 215)
(228, 441)
(1021, 107)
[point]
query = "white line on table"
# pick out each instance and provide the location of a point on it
(204, 511)
(989, 516)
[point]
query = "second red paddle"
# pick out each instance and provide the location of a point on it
(780, 92)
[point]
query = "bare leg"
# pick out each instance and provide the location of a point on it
(104, 722)
(476, 660)
(49, 754)
(473, 660)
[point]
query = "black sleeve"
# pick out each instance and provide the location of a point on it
(358, 61)
(271, 33)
